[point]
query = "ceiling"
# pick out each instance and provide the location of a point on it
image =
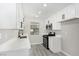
(38, 11)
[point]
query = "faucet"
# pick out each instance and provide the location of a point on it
(20, 32)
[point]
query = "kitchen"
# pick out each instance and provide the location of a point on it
(49, 29)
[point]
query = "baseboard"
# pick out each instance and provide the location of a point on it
(66, 53)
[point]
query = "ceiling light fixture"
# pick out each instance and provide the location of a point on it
(44, 5)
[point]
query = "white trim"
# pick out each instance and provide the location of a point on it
(35, 43)
(67, 54)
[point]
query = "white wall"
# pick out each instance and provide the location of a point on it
(8, 16)
(70, 40)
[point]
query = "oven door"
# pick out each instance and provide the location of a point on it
(45, 42)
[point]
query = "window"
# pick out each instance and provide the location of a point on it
(34, 28)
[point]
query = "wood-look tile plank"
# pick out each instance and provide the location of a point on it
(36, 50)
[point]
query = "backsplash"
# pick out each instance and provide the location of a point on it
(58, 32)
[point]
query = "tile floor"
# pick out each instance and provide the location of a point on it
(36, 50)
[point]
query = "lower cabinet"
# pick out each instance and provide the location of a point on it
(55, 44)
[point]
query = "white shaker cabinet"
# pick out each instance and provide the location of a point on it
(70, 12)
(77, 10)
(55, 44)
(67, 13)
(19, 11)
(20, 16)
(8, 16)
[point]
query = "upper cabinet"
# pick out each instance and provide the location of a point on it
(8, 16)
(20, 16)
(77, 10)
(11, 16)
(19, 11)
(70, 12)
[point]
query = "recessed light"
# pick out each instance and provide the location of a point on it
(44, 5)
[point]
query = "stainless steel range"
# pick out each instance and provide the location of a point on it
(46, 40)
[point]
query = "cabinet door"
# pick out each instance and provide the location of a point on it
(55, 44)
(7, 16)
(50, 43)
(69, 12)
(19, 15)
(77, 10)
(19, 11)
